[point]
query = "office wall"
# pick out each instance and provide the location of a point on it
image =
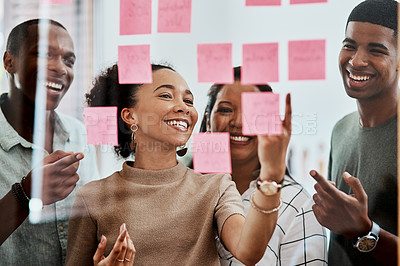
(317, 104)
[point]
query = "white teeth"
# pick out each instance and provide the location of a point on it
(359, 78)
(239, 138)
(176, 123)
(53, 85)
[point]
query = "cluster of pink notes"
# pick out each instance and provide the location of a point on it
(134, 64)
(134, 17)
(174, 16)
(260, 63)
(55, 2)
(211, 153)
(260, 114)
(101, 125)
(307, 60)
(214, 63)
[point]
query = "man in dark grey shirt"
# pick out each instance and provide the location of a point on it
(359, 205)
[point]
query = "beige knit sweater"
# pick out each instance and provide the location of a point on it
(171, 215)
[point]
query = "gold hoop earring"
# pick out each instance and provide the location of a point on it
(134, 128)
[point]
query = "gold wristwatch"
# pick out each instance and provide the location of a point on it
(268, 188)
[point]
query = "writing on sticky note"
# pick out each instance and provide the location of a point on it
(55, 2)
(134, 65)
(214, 63)
(260, 114)
(134, 17)
(293, 2)
(174, 15)
(307, 60)
(211, 153)
(101, 125)
(263, 2)
(260, 63)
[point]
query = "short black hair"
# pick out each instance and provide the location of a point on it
(20, 33)
(379, 12)
(212, 96)
(107, 91)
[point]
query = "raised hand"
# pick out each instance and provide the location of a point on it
(343, 214)
(123, 252)
(272, 148)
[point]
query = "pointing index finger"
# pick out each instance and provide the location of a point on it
(322, 181)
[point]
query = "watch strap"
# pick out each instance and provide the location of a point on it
(375, 230)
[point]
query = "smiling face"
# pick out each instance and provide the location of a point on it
(368, 61)
(226, 116)
(164, 112)
(60, 59)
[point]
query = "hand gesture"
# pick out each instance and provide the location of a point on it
(343, 214)
(59, 176)
(123, 252)
(272, 148)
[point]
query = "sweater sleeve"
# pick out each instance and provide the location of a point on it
(82, 237)
(229, 202)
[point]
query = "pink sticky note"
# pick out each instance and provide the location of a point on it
(174, 15)
(214, 63)
(101, 125)
(307, 60)
(134, 65)
(135, 17)
(260, 114)
(293, 2)
(55, 2)
(263, 2)
(211, 153)
(260, 63)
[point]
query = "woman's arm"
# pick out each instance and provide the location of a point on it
(247, 238)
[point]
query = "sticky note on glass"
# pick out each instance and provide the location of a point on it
(214, 63)
(293, 2)
(134, 17)
(263, 2)
(211, 153)
(260, 63)
(174, 15)
(134, 65)
(55, 2)
(260, 114)
(307, 60)
(101, 125)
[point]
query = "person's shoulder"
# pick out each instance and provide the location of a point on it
(347, 122)
(203, 178)
(71, 122)
(98, 186)
(349, 118)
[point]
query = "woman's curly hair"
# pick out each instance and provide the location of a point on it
(107, 91)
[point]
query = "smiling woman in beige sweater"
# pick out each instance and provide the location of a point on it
(173, 214)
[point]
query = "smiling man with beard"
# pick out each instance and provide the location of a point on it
(65, 142)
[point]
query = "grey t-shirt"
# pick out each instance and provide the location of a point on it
(370, 154)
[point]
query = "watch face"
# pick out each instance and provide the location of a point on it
(366, 243)
(268, 188)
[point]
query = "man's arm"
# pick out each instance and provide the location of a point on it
(59, 179)
(347, 215)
